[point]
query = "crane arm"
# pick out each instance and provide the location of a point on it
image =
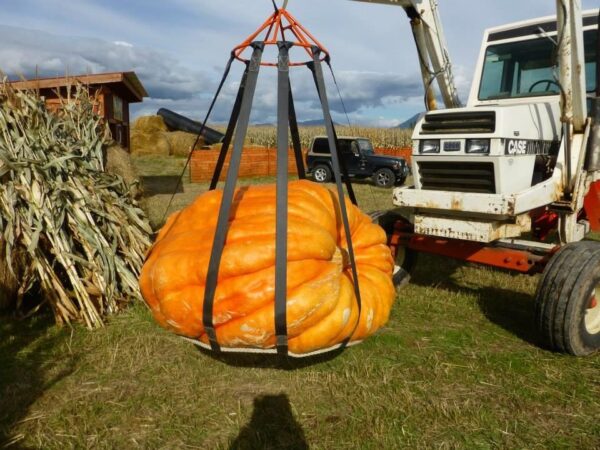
(434, 58)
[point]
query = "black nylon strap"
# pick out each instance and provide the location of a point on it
(209, 112)
(312, 66)
(320, 82)
(281, 231)
(295, 133)
(235, 115)
(228, 193)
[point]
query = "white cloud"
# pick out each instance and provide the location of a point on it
(27, 52)
(178, 48)
(172, 85)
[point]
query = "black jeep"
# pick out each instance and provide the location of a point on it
(360, 159)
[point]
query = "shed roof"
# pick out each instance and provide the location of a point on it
(130, 86)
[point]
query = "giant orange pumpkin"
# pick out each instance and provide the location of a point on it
(321, 306)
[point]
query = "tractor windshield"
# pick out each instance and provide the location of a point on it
(526, 68)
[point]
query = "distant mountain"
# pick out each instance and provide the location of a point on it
(410, 123)
(313, 123)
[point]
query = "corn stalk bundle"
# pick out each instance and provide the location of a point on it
(79, 235)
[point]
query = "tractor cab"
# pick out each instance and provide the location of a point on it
(480, 170)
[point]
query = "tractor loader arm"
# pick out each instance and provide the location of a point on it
(434, 58)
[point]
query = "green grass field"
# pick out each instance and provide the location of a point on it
(458, 366)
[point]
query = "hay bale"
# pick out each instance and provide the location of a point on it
(149, 124)
(181, 142)
(153, 143)
(118, 162)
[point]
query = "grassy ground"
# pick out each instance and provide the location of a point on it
(458, 366)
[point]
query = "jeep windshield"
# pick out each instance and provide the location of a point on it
(526, 68)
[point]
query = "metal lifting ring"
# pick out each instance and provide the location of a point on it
(281, 26)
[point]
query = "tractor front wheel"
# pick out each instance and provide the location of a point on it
(568, 300)
(405, 259)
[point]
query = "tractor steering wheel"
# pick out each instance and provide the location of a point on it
(549, 83)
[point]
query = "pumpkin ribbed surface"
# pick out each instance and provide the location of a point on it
(321, 306)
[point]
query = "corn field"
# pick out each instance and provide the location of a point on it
(72, 235)
(266, 136)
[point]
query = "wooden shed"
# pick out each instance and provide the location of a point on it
(115, 92)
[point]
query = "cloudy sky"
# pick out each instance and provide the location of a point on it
(179, 49)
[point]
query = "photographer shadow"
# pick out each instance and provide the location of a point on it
(272, 426)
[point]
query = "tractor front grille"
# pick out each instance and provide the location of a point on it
(478, 122)
(457, 176)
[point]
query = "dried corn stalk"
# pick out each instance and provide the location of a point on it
(266, 136)
(82, 233)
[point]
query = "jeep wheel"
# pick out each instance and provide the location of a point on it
(322, 174)
(384, 178)
(567, 306)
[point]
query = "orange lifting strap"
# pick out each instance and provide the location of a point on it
(275, 28)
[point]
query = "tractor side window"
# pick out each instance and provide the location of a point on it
(591, 46)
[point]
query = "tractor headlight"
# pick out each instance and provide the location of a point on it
(430, 146)
(478, 146)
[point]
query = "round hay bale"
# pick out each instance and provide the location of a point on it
(118, 162)
(153, 144)
(181, 142)
(9, 286)
(149, 124)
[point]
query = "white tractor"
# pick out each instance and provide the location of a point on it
(512, 179)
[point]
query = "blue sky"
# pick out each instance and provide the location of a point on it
(179, 49)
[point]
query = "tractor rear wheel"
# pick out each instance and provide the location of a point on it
(568, 300)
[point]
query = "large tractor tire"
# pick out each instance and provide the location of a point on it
(568, 300)
(405, 259)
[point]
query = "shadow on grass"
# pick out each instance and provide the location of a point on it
(270, 361)
(27, 370)
(511, 310)
(161, 185)
(272, 426)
